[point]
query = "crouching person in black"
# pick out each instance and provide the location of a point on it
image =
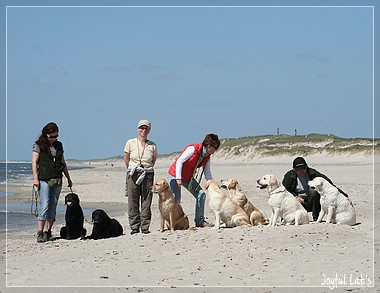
(296, 182)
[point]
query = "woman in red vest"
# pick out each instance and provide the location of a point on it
(183, 172)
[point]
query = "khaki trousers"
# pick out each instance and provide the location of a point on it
(140, 201)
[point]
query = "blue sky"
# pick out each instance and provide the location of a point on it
(233, 71)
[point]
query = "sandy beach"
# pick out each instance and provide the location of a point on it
(313, 257)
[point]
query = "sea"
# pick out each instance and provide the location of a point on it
(17, 217)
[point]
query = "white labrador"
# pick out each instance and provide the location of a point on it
(283, 203)
(338, 208)
(224, 208)
(256, 217)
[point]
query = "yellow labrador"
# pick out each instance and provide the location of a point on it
(256, 217)
(338, 208)
(283, 203)
(170, 209)
(224, 208)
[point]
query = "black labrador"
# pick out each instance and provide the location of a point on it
(104, 226)
(74, 218)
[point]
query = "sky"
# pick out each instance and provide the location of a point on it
(234, 71)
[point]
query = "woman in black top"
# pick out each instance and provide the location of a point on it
(48, 165)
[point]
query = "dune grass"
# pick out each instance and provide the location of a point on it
(273, 145)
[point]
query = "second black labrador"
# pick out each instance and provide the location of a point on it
(104, 226)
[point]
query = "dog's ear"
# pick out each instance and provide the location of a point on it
(272, 180)
(232, 184)
(76, 197)
(318, 182)
(105, 215)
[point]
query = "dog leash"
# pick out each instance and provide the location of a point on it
(35, 196)
(84, 217)
(196, 174)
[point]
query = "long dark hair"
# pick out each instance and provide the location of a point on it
(42, 141)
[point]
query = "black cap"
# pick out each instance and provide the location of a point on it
(299, 163)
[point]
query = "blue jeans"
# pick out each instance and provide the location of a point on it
(48, 201)
(197, 191)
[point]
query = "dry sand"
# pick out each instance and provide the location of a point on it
(247, 259)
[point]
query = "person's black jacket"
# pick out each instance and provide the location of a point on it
(290, 180)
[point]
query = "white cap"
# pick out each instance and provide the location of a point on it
(144, 122)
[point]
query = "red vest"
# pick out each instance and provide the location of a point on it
(189, 166)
